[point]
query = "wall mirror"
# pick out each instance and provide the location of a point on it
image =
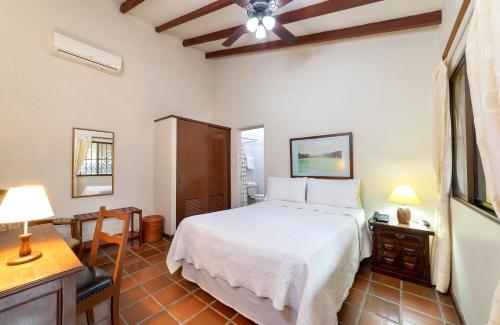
(93, 163)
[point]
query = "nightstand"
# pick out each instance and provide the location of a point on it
(402, 251)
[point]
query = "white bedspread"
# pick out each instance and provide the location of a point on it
(300, 255)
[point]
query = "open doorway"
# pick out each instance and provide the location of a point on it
(252, 165)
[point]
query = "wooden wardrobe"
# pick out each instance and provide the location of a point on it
(192, 169)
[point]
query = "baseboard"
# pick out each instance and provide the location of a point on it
(457, 308)
(167, 237)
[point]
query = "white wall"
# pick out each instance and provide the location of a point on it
(165, 182)
(475, 262)
(42, 97)
(377, 87)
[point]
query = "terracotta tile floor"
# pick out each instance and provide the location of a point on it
(151, 295)
(379, 299)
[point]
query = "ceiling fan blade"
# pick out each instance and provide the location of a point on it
(282, 3)
(234, 36)
(284, 33)
(241, 3)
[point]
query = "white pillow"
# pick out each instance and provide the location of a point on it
(286, 189)
(338, 193)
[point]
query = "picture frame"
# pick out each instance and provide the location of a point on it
(324, 156)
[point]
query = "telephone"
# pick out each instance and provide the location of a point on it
(378, 217)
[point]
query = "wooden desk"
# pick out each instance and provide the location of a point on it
(92, 216)
(42, 291)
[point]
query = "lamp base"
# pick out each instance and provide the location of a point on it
(404, 216)
(24, 259)
(25, 253)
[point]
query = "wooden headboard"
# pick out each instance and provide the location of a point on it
(2, 195)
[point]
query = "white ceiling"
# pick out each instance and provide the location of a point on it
(157, 12)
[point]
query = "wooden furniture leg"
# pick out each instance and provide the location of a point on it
(90, 316)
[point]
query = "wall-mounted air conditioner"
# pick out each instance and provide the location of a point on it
(77, 50)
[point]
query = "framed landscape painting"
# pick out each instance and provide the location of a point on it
(324, 156)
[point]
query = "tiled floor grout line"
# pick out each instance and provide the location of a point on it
(441, 311)
(363, 301)
(138, 283)
(401, 302)
(437, 301)
(401, 291)
(177, 282)
(150, 295)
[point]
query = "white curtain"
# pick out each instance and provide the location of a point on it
(495, 308)
(483, 68)
(243, 177)
(442, 158)
(82, 146)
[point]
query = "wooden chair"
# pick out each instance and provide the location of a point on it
(94, 285)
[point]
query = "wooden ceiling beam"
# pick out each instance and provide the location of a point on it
(211, 7)
(319, 9)
(386, 26)
(129, 5)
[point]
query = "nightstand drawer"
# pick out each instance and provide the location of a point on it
(409, 266)
(409, 252)
(389, 261)
(389, 247)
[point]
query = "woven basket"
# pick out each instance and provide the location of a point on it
(153, 226)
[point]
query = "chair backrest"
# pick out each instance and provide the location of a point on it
(120, 240)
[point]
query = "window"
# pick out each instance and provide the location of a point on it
(99, 161)
(468, 182)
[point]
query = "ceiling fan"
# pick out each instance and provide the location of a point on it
(260, 19)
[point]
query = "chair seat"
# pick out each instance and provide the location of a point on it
(90, 281)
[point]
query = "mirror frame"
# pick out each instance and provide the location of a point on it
(73, 164)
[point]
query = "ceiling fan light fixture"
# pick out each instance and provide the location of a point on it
(252, 24)
(261, 32)
(269, 22)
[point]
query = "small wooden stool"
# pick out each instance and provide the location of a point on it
(153, 228)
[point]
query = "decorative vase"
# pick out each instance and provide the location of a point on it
(404, 215)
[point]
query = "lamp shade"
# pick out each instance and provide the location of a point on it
(404, 194)
(25, 203)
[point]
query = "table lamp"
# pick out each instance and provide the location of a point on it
(22, 204)
(404, 195)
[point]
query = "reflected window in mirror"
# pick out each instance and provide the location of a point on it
(93, 162)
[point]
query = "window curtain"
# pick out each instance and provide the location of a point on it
(495, 308)
(483, 68)
(243, 177)
(82, 146)
(442, 158)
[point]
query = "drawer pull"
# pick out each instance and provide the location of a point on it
(398, 235)
(388, 247)
(409, 266)
(388, 260)
(409, 251)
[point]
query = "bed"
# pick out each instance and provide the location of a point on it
(97, 190)
(275, 262)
